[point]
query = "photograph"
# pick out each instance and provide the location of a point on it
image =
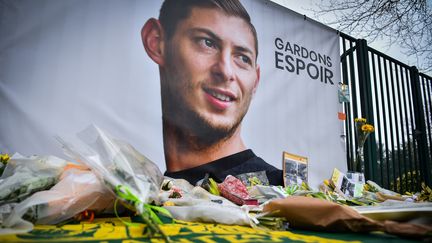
(294, 169)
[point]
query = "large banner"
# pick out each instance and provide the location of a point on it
(67, 64)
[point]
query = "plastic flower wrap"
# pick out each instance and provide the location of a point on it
(78, 190)
(24, 176)
(133, 178)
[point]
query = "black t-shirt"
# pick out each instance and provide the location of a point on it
(235, 164)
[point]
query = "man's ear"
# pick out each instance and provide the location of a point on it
(153, 41)
(258, 73)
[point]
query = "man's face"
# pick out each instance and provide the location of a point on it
(210, 74)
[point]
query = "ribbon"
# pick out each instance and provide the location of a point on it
(124, 193)
(147, 211)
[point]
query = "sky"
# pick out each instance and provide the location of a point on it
(305, 7)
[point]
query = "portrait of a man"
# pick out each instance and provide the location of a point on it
(207, 57)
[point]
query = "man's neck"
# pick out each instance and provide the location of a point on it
(182, 153)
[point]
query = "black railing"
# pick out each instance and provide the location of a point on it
(396, 99)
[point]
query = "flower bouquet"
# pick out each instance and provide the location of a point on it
(362, 131)
(134, 179)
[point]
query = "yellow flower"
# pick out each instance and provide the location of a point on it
(360, 120)
(168, 203)
(367, 128)
(4, 157)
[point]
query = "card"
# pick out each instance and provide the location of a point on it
(295, 169)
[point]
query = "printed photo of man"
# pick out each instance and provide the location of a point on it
(207, 52)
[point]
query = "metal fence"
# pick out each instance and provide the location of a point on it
(396, 99)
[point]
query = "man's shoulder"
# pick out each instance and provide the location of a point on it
(257, 164)
(240, 163)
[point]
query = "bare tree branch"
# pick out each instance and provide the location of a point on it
(407, 23)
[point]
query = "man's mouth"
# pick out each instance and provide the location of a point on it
(220, 96)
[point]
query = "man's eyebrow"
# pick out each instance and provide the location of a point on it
(207, 32)
(212, 35)
(244, 49)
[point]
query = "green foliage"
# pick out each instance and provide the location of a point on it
(425, 194)
(405, 182)
(397, 169)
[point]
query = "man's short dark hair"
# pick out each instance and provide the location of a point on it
(174, 11)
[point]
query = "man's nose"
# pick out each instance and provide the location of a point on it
(223, 67)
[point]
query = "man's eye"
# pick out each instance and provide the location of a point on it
(245, 59)
(207, 42)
